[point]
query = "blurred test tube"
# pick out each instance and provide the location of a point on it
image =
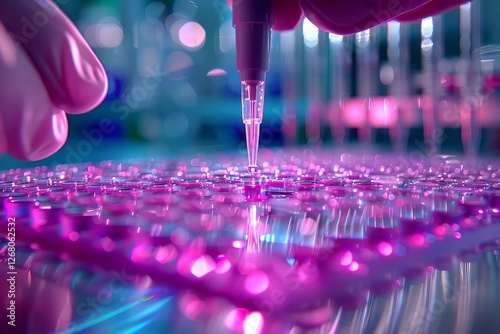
(289, 118)
(398, 57)
(367, 68)
(487, 67)
(314, 63)
(340, 83)
(470, 37)
(432, 46)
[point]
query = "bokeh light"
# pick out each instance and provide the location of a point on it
(257, 282)
(253, 323)
(363, 38)
(335, 39)
(234, 319)
(354, 113)
(387, 74)
(108, 33)
(216, 72)
(165, 254)
(385, 248)
(192, 35)
(383, 112)
(202, 266)
(427, 27)
(223, 266)
(354, 266)
(346, 259)
(311, 33)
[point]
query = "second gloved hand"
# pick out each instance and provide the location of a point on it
(345, 17)
(47, 70)
(349, 17)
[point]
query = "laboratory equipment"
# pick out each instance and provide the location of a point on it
(253, 21)
(367, 60)
(397, 77)
(340, 74)
(432, 53)
(315, 55)
(289, 116)
(320, 240)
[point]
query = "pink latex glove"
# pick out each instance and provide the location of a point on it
(347, 17)
(46, 70)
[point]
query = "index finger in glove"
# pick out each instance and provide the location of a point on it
(31, 128)
(74, 77)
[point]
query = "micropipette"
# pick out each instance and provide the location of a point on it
(252, 21)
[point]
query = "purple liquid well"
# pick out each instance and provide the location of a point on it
(253, 192)
(254, 187)
(333, 223)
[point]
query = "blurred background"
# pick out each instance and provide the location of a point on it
(430, 87)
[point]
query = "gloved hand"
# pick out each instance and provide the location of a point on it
(346, 17)
(47, 70)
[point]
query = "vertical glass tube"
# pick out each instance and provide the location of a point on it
(398, 57)
(487, 69)
(314, 64)
(470, 130)
(431, 53)
(289, 75)
(340, 78)
(367, 66)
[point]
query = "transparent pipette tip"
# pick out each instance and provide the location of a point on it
(252, 98)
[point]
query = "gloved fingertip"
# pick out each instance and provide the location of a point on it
(47, 139)
(85, 79)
